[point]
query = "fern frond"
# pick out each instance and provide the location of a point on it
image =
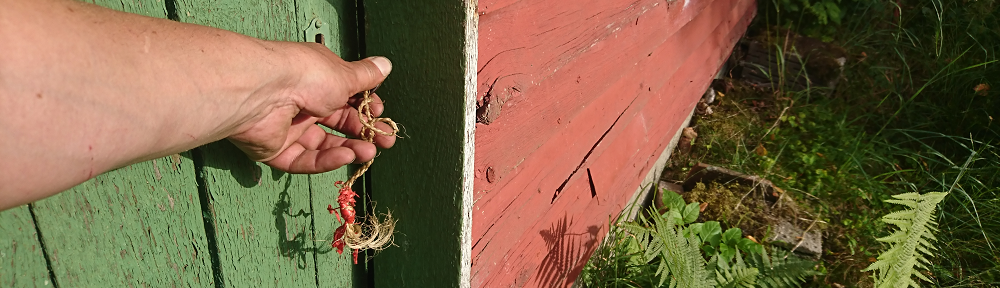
(781, 269)
(737, 278)
(911, 244)
(737, 275)
(643, 238)
(681, 256)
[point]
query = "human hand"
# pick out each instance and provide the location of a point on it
(323, 90)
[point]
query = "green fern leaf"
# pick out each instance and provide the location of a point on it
(911, 244)
(681, 256)
(737, 275)
(781, 269)
(662, 271)
(737, 278)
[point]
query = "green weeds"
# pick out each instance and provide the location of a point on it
(912, 112)
(673, 250)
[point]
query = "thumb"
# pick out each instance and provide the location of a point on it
(368, 73)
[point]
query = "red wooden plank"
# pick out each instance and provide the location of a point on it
(552, 59)
(562, 96)
(569, 228)
(575, 139)
(561, 259)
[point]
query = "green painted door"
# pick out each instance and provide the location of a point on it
(210, 217)
(204, 218)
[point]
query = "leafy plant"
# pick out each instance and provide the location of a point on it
(714, 241)
(680, 258)
(825, 11)
(909, 245)
(667, 251)
(734, 275)
(781, 269)
(917, 95)
(618, 262)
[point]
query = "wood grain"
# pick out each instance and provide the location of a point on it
(21, 261)
(268, 20)
(151, 8)
(137, 225)
(599, 119)
(549, 102)
(261, 217)
(341, 36)
(262, 220)
(340, 16)
(425, 180)
(140, 225)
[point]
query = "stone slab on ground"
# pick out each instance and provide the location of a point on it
(787, 235)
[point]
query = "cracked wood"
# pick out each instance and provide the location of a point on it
(644, 63)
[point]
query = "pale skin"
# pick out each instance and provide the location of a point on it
(84, 90)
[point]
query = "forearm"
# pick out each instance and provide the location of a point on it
(84, 90)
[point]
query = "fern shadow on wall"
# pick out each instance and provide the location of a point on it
(567, 252)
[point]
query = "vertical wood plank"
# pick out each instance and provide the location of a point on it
(151, 8)
(269, 20)
(426, 179)
(21, 261)
(340, 22)
(339, 18)
(139, 225)
(261, 220)
(333, 270)
(261, 217)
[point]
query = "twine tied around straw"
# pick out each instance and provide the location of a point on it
(374, 234)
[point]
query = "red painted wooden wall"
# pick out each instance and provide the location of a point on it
(591, 94)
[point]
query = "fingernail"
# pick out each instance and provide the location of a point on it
(383, 64)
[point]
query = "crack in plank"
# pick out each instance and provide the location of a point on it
(585, 157)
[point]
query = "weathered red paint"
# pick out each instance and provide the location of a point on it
(593, 92)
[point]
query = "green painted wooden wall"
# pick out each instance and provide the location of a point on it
(426, 180)
(203, 218)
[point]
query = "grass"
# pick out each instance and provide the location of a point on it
(910, 114)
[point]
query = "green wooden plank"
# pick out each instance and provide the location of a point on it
(262, 217)
(339, 18)
(301, 245)
(426, 179)
(269, 20)
(333, 270)
(262, 220)
(151, 8)
(339, 29)
(21, 261)
(140, 225)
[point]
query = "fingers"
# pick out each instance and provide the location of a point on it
(317, 139)
(298, 159)
(368, 73)
(312, 137)
(363, 151)
(349, 123)
(332, 153)
(376, 104)
(383, 141)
